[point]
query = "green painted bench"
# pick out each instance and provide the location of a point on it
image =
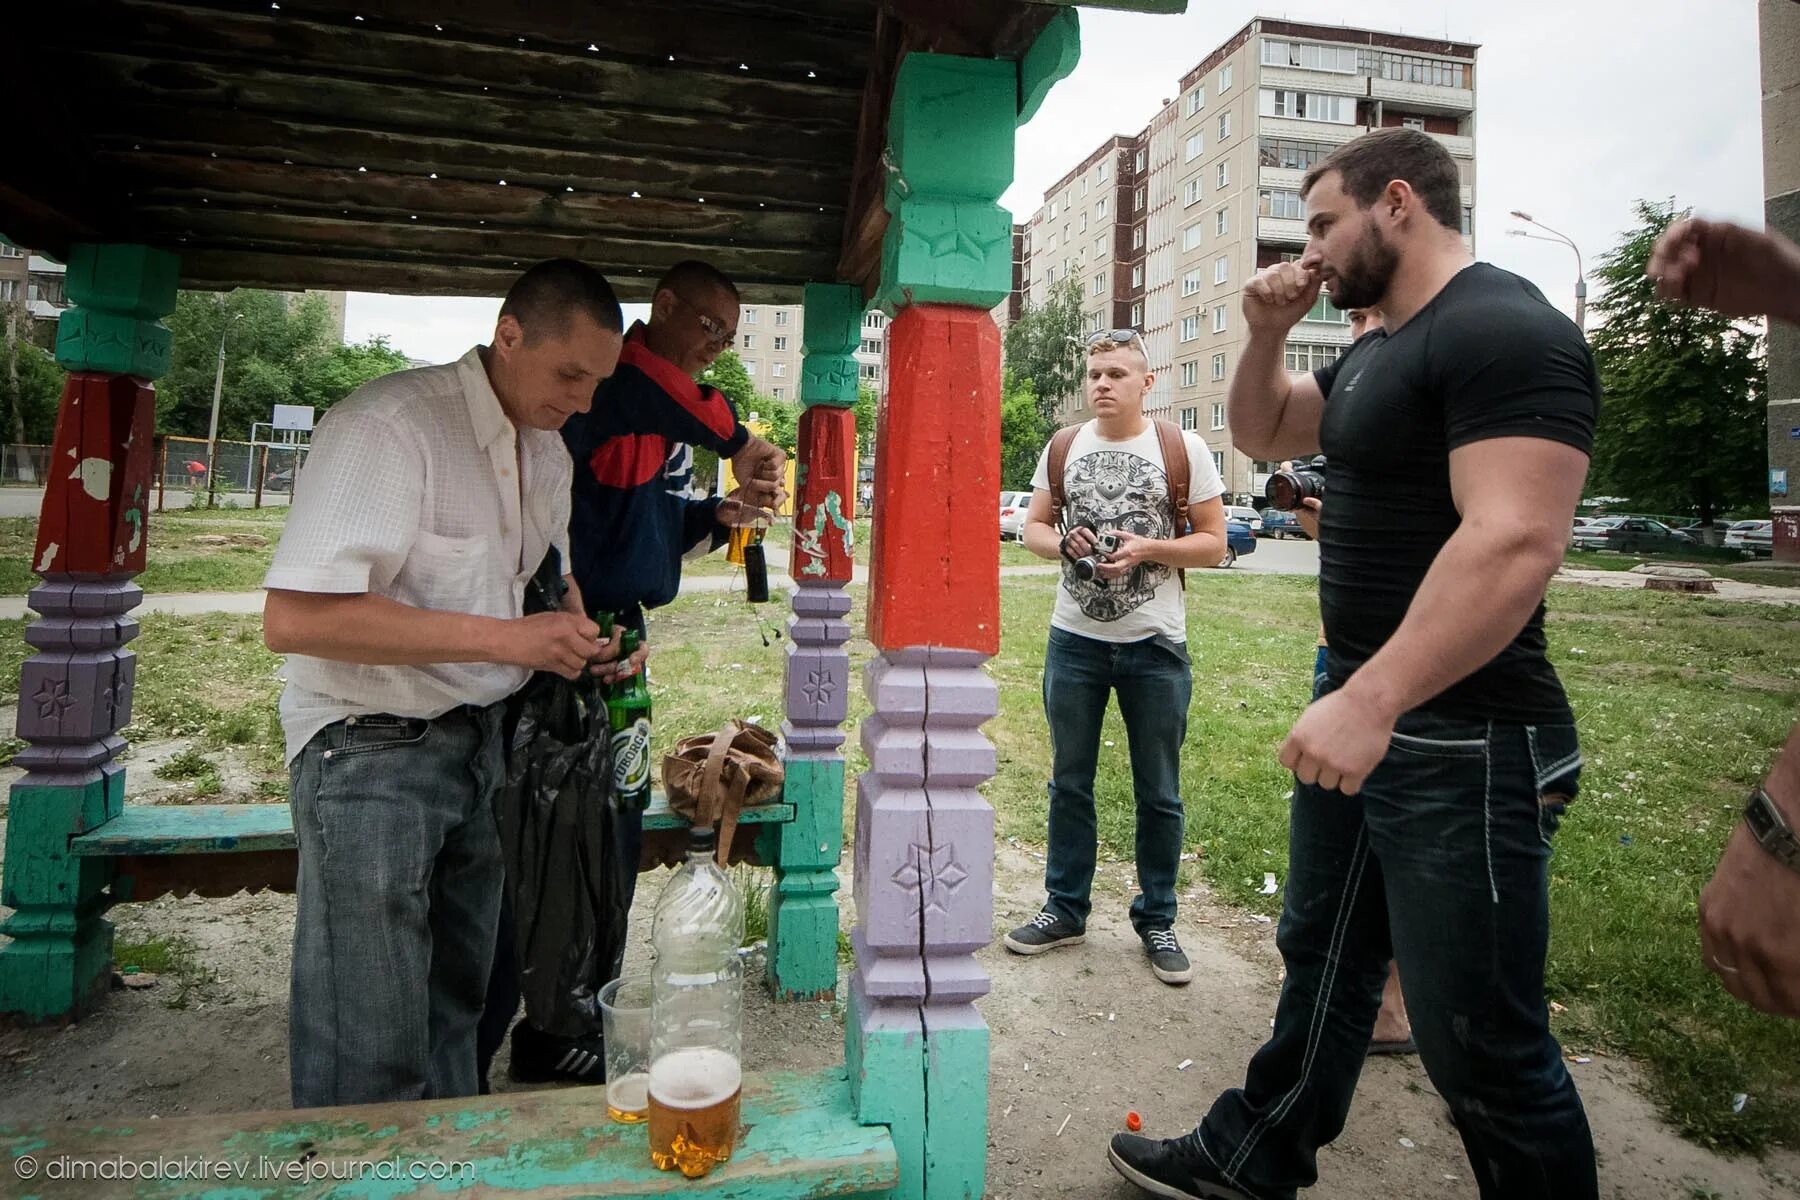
(222, 849)
(799, 1140)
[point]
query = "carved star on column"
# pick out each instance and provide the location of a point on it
(53, 699)
(931, 876)
(819, 687)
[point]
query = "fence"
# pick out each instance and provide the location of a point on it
(260, 474)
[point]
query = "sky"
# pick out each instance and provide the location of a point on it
(1582, 108)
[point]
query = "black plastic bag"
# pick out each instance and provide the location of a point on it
(559, 831)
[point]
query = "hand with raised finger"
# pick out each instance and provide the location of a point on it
(1278, 296)
(1337, 742)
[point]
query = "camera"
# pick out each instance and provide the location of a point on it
(1105, 545)
(1286, 489)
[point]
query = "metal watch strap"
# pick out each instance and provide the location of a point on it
(1771, 830)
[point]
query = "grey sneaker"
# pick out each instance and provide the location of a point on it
(1043, 932)
(1167, 962)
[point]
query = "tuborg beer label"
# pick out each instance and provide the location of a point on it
(631, 757)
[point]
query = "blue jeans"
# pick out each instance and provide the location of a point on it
(1154, 683)
(1441, 862)
(399, 892)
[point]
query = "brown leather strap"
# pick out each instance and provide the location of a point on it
(1057, 460)
(1177, 469)
(709, 797)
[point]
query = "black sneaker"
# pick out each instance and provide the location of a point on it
(1043, 932)
(1167, 962)
(539, 1057)
(1174, 1168)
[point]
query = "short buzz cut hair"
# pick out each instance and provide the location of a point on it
(1375, 160)
(692, 273)
(545, 297)
(1134, 342)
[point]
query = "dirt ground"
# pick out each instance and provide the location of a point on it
(1080, 1036)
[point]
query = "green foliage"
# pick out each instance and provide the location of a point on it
(1024, 432)
(31, 387)
(1042, 347)
(1682, 424)
(727, 373)
(868, 406)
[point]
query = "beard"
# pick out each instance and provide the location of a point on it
(1363, 281)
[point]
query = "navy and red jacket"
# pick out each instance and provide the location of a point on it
(631, 519)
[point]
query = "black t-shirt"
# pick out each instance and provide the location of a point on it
(1488, 357)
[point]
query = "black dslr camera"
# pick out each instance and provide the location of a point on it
(1105, 545)
(1286, 489)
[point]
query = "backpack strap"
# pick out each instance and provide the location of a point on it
(1176, 469)
(1057, 461)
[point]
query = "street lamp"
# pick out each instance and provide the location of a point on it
(212, 433)
(1580, 271)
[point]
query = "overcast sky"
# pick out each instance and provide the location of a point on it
(1582, 107)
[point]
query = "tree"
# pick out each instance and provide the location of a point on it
(31, 384)
(1024, 432)
(1043, 347)
(327, 379)
(1681, 426)
(868, 408)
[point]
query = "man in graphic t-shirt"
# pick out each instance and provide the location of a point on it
(1119, 626)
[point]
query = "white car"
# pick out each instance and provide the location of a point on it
(1246, 514)
(1751, 537)
(1012, 515)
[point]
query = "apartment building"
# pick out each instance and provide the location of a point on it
(15, 278)
(768, 342)
(1209, 192)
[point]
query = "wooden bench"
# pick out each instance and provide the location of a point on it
(222, 849)
(799, 1140)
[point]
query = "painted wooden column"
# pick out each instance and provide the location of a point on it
(924, 847)
(803, 911)
(75, 692)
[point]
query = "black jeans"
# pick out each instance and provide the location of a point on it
(1441, 862)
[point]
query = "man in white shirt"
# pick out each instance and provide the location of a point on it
(1119, 626)
(428, 501)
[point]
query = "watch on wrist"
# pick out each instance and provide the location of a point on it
(1771, 830)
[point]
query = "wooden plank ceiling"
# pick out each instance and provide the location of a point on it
(437, 146)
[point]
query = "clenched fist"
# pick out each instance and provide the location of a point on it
(1278, 296)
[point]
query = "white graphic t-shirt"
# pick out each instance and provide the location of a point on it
(1122, 485)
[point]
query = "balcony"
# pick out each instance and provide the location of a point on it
(1424, 97)
(1280, 177)
(1300, 79)
(1324, 333)
(1308, 131)
(1281, 231)
(1456, 144)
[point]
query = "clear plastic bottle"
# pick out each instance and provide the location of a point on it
(696, 1016)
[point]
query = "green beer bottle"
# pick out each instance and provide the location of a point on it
(628, 719)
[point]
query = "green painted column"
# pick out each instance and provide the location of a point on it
(75, 692)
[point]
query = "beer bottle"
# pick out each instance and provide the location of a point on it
(628, 720)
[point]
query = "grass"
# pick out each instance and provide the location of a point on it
(191, 550)
(1722, 563)
(193, 767)
(174, 960)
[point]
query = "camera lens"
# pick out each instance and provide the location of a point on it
(1085, 567)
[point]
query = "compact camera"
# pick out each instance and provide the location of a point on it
(1105, 545)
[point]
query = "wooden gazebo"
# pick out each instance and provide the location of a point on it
(848, 151)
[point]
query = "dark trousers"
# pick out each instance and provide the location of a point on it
(1441, 862)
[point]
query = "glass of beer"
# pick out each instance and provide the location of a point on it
(694, 1098)
(625, 1022)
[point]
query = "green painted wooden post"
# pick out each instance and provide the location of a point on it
(75, 693)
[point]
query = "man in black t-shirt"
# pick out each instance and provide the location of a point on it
(1436, 759)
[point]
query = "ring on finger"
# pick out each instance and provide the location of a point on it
(1719, 966)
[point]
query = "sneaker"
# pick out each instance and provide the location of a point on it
(539, 1057)
(1174, 1168)
(1167, 962)
(1043, 932)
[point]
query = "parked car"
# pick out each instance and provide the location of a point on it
(1012, 515)
(1580, 523)
(1752, 537)
(1279, 524)
(1712, 534)
(1631, 535)
(1246, 514)
(1238, 540)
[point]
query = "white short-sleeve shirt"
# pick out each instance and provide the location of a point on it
(1122, 485)
(420, 489)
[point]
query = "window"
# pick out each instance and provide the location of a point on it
(1140, 160)
(1278, 202)
(1190, 283)
(1099, 247)
(1310, 356)
(748, 341)
(870, 371)
(1049, 274)
(8, 250)
(1050, 246)
(1225, 78)
(1196, 100)
(1196, 146)
(1138, 205)
(1100, 208)
(1053, 210)
(1190, 237)
(1100, 171)
(779, 393)
(1409, 68)
(1084, 187)
(1224, 175)
(1218, 318)
(1093, 322)
(1417, 123)
(1308, 106)
(749, 366)
(1219, 462)
(1221, 268)
(1190, 194)
(752, 315)
(1291, 155)
(1218, 370)
(780, 342)
(871, 345)
(778, 370)
(1224, 125)
(1190, 373)
(1190, 327)
(1218, 411)
(1137, 276)
(1222, 222)
(1137, 316)
(874, 320)
(9, 290)
(1468, 220)
(1341, 59)
(1326, 312)
(1137, 238)
(1099, 282)
(781, 316)
(1190, 418)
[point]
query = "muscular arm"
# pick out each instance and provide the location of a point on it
(1039, 535)
(1516, 496)
(1273, 414)
(1204, 543)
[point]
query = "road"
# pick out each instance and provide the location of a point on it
(25, 501)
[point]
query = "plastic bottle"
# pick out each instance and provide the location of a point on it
(696, 1015)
